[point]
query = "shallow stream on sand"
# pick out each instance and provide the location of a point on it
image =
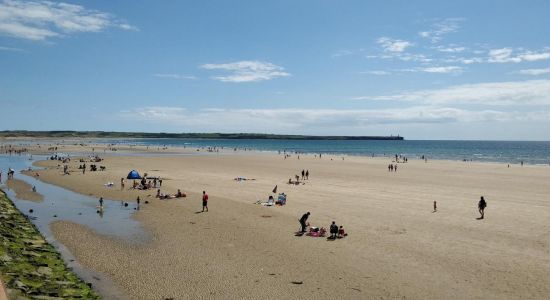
(63, 205)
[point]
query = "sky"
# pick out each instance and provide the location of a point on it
(420, 69)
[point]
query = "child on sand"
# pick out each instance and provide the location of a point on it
(204, 201)
(341, 232)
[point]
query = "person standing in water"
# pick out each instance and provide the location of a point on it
(481, 206)
(101, 202)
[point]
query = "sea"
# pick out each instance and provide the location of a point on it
(512, 152)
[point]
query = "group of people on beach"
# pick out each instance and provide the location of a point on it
(145, 183)
(178, 194)
(335, 230)
(305, 176)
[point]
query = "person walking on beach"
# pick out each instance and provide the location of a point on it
(307, 174)
(303, 221)
(481, 206)
(138, 200)
(303, 174)
(204, 201)
(435, 206)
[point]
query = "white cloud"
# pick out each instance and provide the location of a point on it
(439, 29)
(502, 55)
(438, 70)
(442, 70)
(393, 45)
(408, 57)
(471, 60)
(534, 71)
(376, 72)
(40, 20)
(298, 120)
(506, 55)
(247, 71)
(520, 93)
(11, 49)
(175, 76)
(450, 49)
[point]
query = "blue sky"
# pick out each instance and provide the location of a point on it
(421, 69)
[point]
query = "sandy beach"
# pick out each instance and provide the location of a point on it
(23, 190)
(397, 246)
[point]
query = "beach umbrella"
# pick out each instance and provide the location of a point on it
(133, 175)
(275, 190)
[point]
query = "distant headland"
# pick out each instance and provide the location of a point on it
(235, 136)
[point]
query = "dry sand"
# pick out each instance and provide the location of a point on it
(23, 190)
(397, 247)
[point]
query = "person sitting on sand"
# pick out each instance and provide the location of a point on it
(341, 232)
(179, 194)
(333, 230)
(322, 232)
(158, 193)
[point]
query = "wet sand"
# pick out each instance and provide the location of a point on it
(397, 246)
(23, 190)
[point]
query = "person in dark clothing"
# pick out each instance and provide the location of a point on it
(101, 202)
(481, 206)
(333, 230)
(303, 220)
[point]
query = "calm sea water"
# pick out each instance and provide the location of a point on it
(487, 151)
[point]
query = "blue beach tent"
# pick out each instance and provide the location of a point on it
(133, 175)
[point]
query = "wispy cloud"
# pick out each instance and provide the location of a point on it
(434, 69)
(175, 76)
(442, 70)
(41, 20)
(514, 93)
(299, 120)
(376, 72)
(450, 49)
(247, 71)
(341, 53)
(534, 72)
(393, 45)
(441, 28)
(11, 49)
(507, 55)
